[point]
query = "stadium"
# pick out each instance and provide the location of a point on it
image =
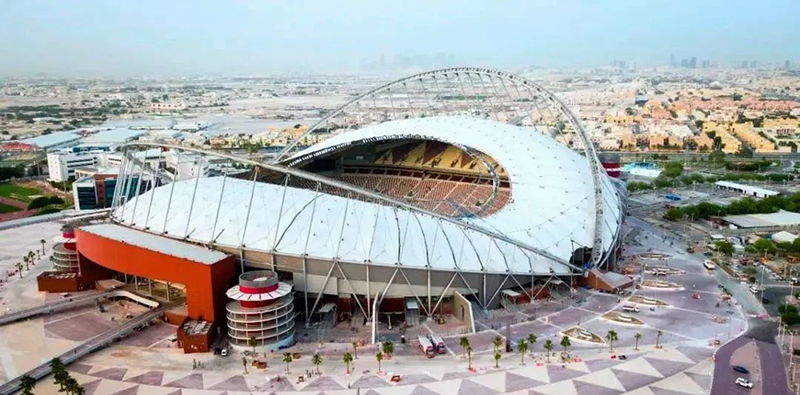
(445, 192)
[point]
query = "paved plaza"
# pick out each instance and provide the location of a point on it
(147, 363)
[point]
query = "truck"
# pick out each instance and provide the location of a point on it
(438, 343)
(426, 346)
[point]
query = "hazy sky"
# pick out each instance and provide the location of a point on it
(111, 37)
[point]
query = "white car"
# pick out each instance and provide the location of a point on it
(744, 383)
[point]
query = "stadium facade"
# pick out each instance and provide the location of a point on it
(458, 185)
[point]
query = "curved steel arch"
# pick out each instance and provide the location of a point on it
(588, 148)
(388, 201)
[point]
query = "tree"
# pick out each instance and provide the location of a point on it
(59, 372)
(497, 357)
(497, 342)
(531, 342)
(611, 336)
(548, 345)
(658, 339)
(244, 363)
(464, 343)
(388, 348)
(674, 214)
(71, 385)
(19, 269)
(469, 357)
(765, 246)
(26, 384)
(347, 358)
(565, 343)
(355, 350)
(316, 360)
(252, 342)
(522, 348)
(287, 359)
(39, 202)
(636, 337)
(379, 358)
(43, 243)
(724, 247)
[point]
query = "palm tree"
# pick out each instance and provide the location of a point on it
(252, 342)
(637, 336)
(388, 348)
(548, 345)
(43, 243)
(355, 350)
(79, 391)
(469, 357)
(565, 343)
(347, 358)
(316, 360)
(531, 341)
(30, 257)
(27, 262)
(497, 342)
(464, 343)
(59, 371)
(19, 269)
(497, 357)
(26, 384)
(379, 358)
(658, 338)
(611, 336)
(287, 359)
(522, 348)
(71, 385)
(244, 363)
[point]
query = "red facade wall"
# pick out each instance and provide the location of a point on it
(205, 284)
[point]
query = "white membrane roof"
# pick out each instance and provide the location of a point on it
(551, 208)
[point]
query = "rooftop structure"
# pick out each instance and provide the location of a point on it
(262, 309)
(745, 189)
(54, 141)
(780, 220)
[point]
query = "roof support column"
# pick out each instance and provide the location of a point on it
(352, 290)
(118, 185)
(194, 192)
(125, 187)
(321, 290)
(138, 190)
(171, 190)
(497, 291)
(280, 215)
(444, 291)
(219, 206)
(247, 216)
(414, 292)
(152, 190)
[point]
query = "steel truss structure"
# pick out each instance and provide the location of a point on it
(471, 91)
(338, 238)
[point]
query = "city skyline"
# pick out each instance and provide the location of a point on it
(123, 39)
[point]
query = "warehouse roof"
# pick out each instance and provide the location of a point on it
(780, 219)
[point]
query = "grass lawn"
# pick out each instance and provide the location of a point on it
(4, 208)
(17, 192)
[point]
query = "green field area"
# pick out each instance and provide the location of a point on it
(4, 208)
(17, 192)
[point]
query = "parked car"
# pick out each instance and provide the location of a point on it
(741, 369)
(744, 383)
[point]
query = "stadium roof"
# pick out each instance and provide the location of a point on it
(551, 208)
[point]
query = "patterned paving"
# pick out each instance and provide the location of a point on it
(684, 370)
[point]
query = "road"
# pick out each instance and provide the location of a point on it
(52, 307)
(94, 344)
(772, 378)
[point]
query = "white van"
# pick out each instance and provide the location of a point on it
(754, 289)
(438, 343)
(426, 346)
(630, 307)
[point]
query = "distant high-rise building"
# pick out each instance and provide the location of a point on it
(753, 64)
(672, 60)
(706, 63)
(744, 64)
(787, 65)
(684, 62)
(693, 62)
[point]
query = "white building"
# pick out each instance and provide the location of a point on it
(62, 164)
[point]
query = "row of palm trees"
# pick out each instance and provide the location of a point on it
(29, 259)
(526, 344)
(65, 382)
(387, 349)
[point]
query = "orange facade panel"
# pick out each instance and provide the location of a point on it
(205, 282)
